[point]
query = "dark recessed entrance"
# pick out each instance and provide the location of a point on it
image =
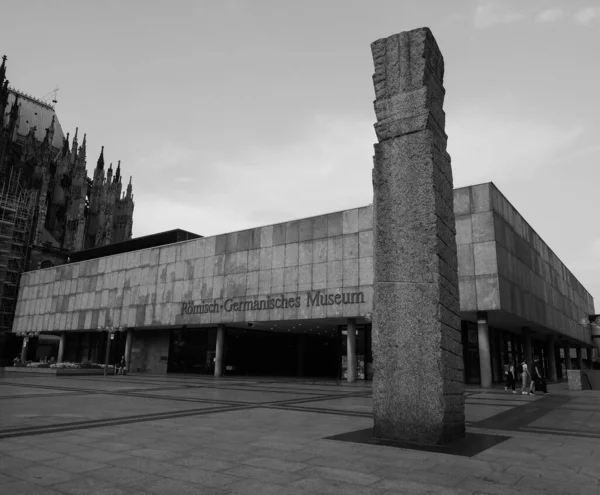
(263, 353)
(251, 352)
(192, 351)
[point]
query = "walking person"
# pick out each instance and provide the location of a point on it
(538, 380)
(526, 379)
(509, 373)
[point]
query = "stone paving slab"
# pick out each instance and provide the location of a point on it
(18, 413)
(96, 383)
(9, 391)
(354, 404)
(262, 450)
(255, 396)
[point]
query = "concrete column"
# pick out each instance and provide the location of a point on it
(589, 354)
(498, 353)
(494, 356)
(338, 351)
(128, 346)
(61, 347)
(351, 350)
(220, 350)
(485, 359)
(551, 357)
(579, 358)
(567, 352)
(106, 353)
(24, 349)
(527, 354)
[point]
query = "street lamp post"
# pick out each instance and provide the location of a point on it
(26, 336)
(109, 335)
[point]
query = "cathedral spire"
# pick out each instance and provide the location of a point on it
(50, 132)
(118, 174)
(129, 188)
(65, 150)
(109, 174)
(74, 146)
(100, 164)
(13, 116)
(82, 149)
(3, 100)
(3, 69)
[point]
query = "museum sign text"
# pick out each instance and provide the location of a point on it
(312, 298)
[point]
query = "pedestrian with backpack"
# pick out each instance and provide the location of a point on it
(538, 381)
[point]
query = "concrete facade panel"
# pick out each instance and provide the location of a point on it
(483, 226)
(503, 264)
(464, 230)
(484, 254)
(468, 293)
(462, 202)
(488, 292)
(466, 260)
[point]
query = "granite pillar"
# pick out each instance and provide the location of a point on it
(567, 352)
(485, 359)
(219, 351)
(579, 352)
(351, 349)
(61, 347)
(496, 357)
(128, 346)
(418, 388)
(551, 357)
(527, 353)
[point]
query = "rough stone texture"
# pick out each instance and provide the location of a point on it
(418, 381)
(574, 380)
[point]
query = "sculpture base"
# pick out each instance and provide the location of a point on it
(468, 446)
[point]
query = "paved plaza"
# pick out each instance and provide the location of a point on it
(183, 435)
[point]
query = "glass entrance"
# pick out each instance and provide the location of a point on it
(192, 351)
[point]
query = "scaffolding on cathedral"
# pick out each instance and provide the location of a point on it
(16, 211)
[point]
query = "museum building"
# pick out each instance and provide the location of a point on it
(296, 298)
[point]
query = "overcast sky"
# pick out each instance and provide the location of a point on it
(231, 114)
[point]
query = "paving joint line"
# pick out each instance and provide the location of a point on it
(141, 394)
(221, 407)
(211, 383)
(206, 386)
(319, 410)
(49, 429)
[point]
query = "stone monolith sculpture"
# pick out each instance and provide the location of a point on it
(417, 352)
